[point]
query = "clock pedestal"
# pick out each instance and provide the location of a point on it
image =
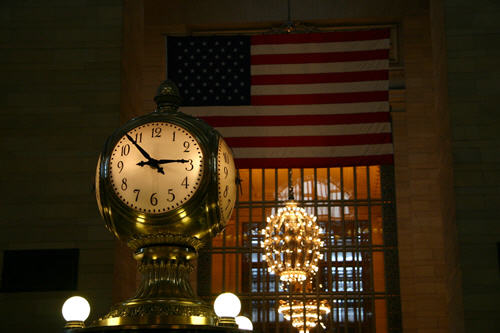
(165, 181)
(165, 295)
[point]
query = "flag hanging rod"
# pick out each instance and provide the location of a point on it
(198, 31)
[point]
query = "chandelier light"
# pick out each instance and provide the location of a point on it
(304, 316)
(291, 242)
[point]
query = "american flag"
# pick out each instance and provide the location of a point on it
(290, 100)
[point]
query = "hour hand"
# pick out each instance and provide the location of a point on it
(152, 163)
(172, 161)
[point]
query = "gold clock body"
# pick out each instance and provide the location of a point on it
(165, 237)
(191, 221)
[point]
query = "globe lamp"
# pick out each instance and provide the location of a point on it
(244, 323)
(75, 311)
(227, 306)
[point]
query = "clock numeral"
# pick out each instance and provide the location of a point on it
(125, 150)
(225, 191)
(124, 184)
(226, 172)
(186, 145)
(185, 182)
(137, 191)
(190, 166)
(153, 199)
(173, 136)
(120, 166)
(226, 157)
(171, 195)
(138, 137)
(228, 204)
(156, 132)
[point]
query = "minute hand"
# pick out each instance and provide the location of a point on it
(172, 161)
(143, 152)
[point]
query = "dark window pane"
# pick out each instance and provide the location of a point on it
(40, 270)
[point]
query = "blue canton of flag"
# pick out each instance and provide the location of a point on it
(210, 70)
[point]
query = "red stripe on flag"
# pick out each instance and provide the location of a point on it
(297, 120)
(309, 141)
(308, 58)
(351, 97)
(321, 162)
(320, 78)
(322, 37)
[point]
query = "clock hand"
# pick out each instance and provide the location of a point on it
(152, 163)
(172, 161)
(143, 152)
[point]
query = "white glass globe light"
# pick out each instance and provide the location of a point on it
(227, 305)
(76, 308)
(244, 323)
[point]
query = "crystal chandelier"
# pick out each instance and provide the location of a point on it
(291, 242)
(304, 316)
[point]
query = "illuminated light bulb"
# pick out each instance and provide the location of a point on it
(227, 305)
(244, 323)
(75, 311)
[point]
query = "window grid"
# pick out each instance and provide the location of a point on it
(359, 275)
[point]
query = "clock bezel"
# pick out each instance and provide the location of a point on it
(110, 200)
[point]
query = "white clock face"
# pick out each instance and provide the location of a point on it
(156, 167)
(226, 179)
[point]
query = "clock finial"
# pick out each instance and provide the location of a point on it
(167, 96)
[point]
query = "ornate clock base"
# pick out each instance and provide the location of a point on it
(159, 312)
(165, 296)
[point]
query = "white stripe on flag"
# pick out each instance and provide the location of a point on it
(284, 110)
(321, 130)
(297, 152)
(319, 88)
(315, 68)
(320, 47)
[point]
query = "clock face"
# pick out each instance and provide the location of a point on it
(226, 179)
(156, 167)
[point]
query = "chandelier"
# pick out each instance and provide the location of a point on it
(304, 316)
(291, 242)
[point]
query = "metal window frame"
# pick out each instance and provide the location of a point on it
(356, 305)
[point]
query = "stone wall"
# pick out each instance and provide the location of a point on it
(59, 100)
(473, 50)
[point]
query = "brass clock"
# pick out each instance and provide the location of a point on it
(165, 182)
(165, 173)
